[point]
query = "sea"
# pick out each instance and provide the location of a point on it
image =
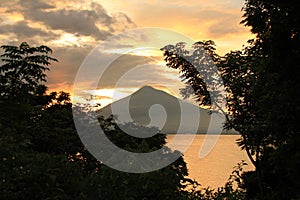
(219, 155)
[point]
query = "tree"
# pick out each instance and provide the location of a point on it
(276, 51)
(23, 70)
(27, 172)
(41, 155)
(22, 74)
(166, 183)
(261, 84)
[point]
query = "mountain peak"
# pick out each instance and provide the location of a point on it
(147, 87)
(171, 116)
(149, 90)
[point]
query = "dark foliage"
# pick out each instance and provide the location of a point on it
(262, 88)
(41, 155)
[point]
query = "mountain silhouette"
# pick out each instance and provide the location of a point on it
(152, 107)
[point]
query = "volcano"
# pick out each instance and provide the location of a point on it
(155, 108)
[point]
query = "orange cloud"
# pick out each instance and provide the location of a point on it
(72, 29)
(199, 19)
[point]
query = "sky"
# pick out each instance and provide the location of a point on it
(85, 33)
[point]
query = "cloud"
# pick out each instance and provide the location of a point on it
(71, 21)
(113, 72)
(223, 28)
(93, 20)
(125, 71)
(35, 5)
(130, 70)
(222, 23)
(148, 74)
(73, 28)
(199, 19)
(21, 29)
(70, 59)
(51, 22)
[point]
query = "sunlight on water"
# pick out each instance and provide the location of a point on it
(214, 169)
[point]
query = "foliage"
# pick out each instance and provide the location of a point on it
(276, 47)
(165, 183)
(23, 70)
(33, 175)
(41, 155)
(262, 92)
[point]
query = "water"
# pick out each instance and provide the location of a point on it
(214, 169)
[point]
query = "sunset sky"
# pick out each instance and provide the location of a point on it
(73, 28)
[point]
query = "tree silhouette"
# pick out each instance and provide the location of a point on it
(23, 70)
(262, 92)
(41, 155)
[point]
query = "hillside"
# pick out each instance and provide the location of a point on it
(151, 107)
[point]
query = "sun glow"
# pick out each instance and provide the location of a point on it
(146, 52)
(105, 96)
(68, 39)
